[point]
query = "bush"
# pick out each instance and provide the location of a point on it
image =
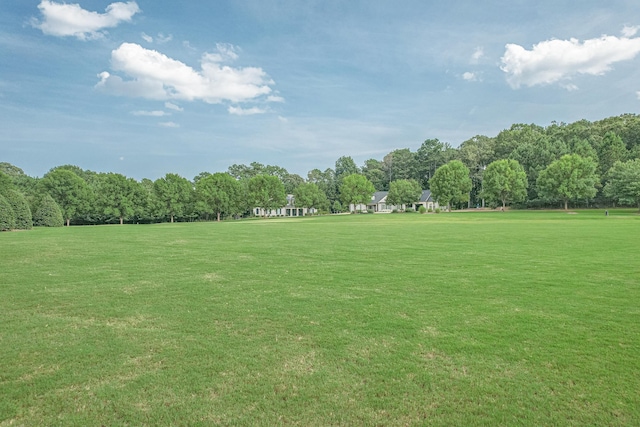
(7, 217)
(369, 210)
(23, 220)
(422, 209)
(48, 214)
(437, 210)
(409, 210)
(394, 211)
(429, 210)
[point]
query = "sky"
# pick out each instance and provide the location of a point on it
(149, 87)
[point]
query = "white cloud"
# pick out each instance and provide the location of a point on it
(61, 19)
(555, 60)
(569, 87)
(153, 75)
(147, 38)
(470, 77)
(638, 94)
(156, 113)
(169, 125)
(630, 31)
(275, 98)
(238, 111)
(477, 55)
(172, 106)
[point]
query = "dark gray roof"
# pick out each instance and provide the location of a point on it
(426, 196)
(377, 196)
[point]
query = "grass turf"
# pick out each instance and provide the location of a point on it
(451, 319)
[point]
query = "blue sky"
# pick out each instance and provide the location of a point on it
(149, 87)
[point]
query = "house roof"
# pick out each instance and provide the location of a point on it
(377, 197)
(425, 196)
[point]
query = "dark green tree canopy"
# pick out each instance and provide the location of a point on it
(309, 195)
(7, 216)
(404, 192)
(624, 182)
(267, 192)
(356, 189)
(23, 217)
(175, 193)
(505, 181)
(220, 194)
(571, 177)
(451, 183)
(48, 213)
(70, 192)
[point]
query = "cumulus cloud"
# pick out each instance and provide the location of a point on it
(61, 19)
(552, 61)
(239, 111)
(153, 75)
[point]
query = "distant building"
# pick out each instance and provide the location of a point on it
(378, 203)
(289, 210)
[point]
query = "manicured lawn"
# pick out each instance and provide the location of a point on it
(516, 318)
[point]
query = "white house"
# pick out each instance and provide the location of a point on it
(289, 210)
(378, 203)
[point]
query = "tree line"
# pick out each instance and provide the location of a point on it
(580, 164)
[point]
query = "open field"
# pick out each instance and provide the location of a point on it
(517, 318)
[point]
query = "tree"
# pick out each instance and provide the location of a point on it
(610, 150)
(309, 195)
(373, 170)
(404, 192)
(326, 182)
(400, 164)
(23, 218)
(266, 192)
(623, 182)
(175, 193)
(476, 153)
(6, 183)
(70, 192)
(291, 181)
(219, 194)
(451, 183)
(505, 181)
(7, 216)
(118, 196)
(430, 156)
(356, 189)
(48, 213)
(568, 178)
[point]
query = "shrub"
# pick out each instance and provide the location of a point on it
(7, 217)
(369, 210)
(394, 211)
(429, 210)
(48, 214)
(409, 210)
(21, 210)
(422, 209)
(437, 210)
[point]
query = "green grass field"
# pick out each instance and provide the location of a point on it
(517, 318)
